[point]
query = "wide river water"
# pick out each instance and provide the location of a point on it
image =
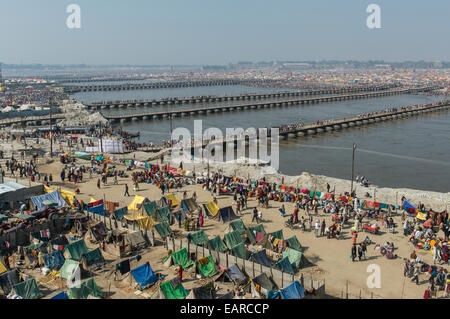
(410, 153)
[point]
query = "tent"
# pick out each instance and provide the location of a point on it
(293, 243)
(258, 228)
(163, 214)
(189, 205)
(296, 258)
(207, 266)
(172, 289)
(98, 232)
(277, 234)
(265, 242)
(150, 208)
(61, 295)
(93, 259)
(232, 239)
(54, 260)
(217, 244)
(137, 202)
(53, 196)
(87, 288)
(8, 280)
(99, 209)
(28, 289)
(163, 229)
(119, 213)
(76, 250)
(3, 267)
(226, 214)
(182, 258)
(69, 268)
(236, 275)
(292, 291)
(265, 282)
(144, 276)
(180, 216)
(135, 240)
(261, 258)
(175, 202)
(211, 209)
(285, 266)
(66, 195)
(240, 251)
(238, 225)
(202, 293)
(199, 238)
(409, 208)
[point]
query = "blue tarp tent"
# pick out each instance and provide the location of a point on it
(261, 258)
(285, 265)
(292, 291)
(144, 275)
(61, 295)
(119, 213)
(99, 209)
(54, 260)
(53, 196)
(409, 207)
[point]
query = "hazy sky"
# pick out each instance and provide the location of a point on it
(219, 32)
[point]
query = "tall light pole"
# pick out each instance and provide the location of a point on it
(353, 167)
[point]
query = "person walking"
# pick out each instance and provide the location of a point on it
(126, 191)
(416, 274)
(316, 228)
(353, 253)
(255, 215)
(322, 228)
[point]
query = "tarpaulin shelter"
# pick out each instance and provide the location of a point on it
(135, 240)
(234, 274)
(87, 288)
(180, 216)
(182, 258)
(409, 208)
(54, 260)
(98, 232)
(293, 243)
(99, 209)
(292, 291)
(150, 208)
(119, 213)
(28, 289)
(8, 280)
(258, 228)
(137, 202)
(163, 229)
(261, 258)
(232, 239)
(217, 244)
(211, 209)
(69, 268)
(93, 259)
(265, 282)
(296, 258)
(172, 289)
(3, 268)
(201, 293)
(207, 266)
(68, 196)
(172, 198)
(61, 295)
(238, 225)
(76, 250)
(226, 214)
(240, 251)
(53, 196)
(189, 205)
(144, 275)
(285, 265)
(264, 241)
(199, 238)
(163, 214)
(277, 234)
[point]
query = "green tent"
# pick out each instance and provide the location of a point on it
(277, 234)
(208, 268)
(163, 214)
(238, 225)
(199, 238)
(77, 249)
(232, 239)
(28, 289)
(182, 258)
(295, 257)
(163, 229)
(69, 267)
(173, 293)
(293, 243)
(87, 288)
(93, 257)
(150, 208)
(241, 251)
(217, 244)
(259, 228)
